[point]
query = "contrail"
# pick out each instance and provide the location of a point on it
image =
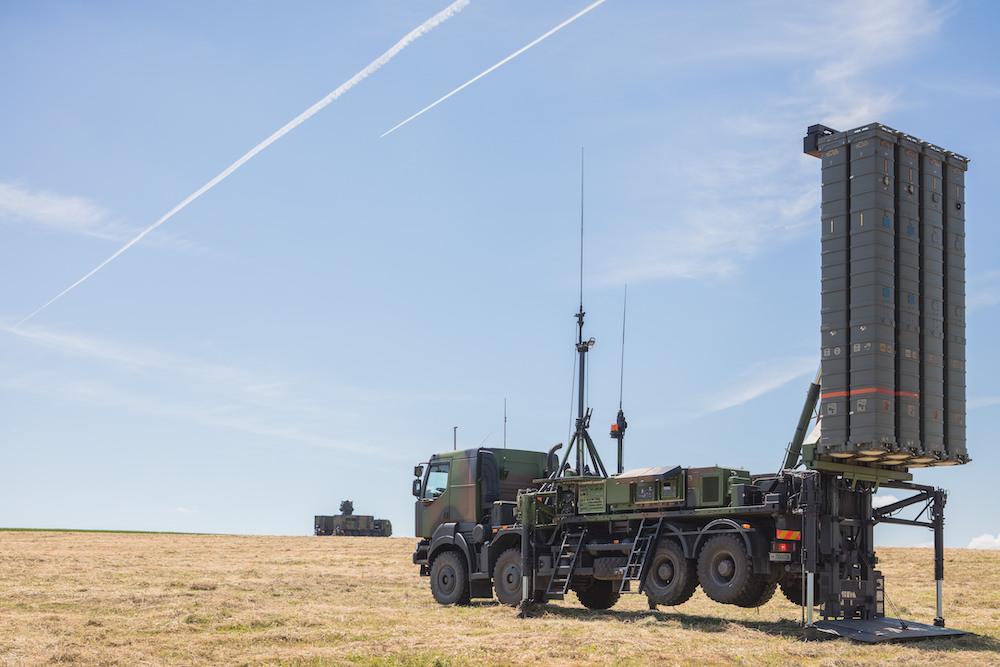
(369, 69)
(500, 64)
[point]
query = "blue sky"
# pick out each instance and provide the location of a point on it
(317, 323)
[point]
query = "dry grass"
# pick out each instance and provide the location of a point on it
(134, 599)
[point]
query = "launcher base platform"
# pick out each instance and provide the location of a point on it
(879, 630)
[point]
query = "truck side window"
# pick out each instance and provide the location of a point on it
(437, 480)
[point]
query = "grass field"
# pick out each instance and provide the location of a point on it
(145, 599)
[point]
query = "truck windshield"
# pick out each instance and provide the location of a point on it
(437, 480)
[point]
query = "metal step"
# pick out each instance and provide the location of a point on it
(562, 569)
(638, 558)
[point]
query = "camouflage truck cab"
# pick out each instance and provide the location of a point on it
(461, 497)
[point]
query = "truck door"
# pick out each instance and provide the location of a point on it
(463, 500)
(489, 483)
(433, 502)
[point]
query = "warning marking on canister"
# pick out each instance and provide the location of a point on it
(869, 390)
(788, 534)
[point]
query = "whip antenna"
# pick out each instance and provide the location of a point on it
(505, 422)
(581, 230)
(618, 428)
(621, 366)
(580, 442)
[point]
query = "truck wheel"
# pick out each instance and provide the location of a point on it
(760, 591)
(599, 594)
(450, 579)
(671, 578)
(792, 587)
(507, 577)
(725, 570)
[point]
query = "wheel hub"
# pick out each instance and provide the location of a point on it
(665, 571)
(447, 579)
(726, 568)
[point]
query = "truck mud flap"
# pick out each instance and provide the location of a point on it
(880, 630)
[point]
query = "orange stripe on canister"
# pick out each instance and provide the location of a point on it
(869, 390)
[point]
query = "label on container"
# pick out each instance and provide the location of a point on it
(592, 498)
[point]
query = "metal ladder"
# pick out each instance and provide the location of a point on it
(638, 558)
(562, 569)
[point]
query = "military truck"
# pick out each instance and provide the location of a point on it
(530, 528)
(349, 523)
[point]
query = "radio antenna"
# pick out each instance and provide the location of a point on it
(581, 438)
(621, 366)
(618, 428)
(581, 236)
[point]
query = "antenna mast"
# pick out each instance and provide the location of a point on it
(621, 366)
(581, 239)
(618, 428)
(581, 438)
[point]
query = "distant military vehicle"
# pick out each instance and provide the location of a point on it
(348, 523)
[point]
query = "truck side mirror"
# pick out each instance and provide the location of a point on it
(416, 487)
(418, 471)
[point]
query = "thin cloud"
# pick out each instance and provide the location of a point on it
(744, 188)
(93, 348)
(251, 385)
(874, 35)
(137, 358)
(985, 541)
(301, 411)
(369, 69)
(66, 213)
(242, 390)
(237, 418)
(732, 210)
(71, 214)
(495, 67)
(856, 39)
(760, 379)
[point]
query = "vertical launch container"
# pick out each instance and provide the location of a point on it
(893, 299)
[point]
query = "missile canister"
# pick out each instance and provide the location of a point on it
(893, 299)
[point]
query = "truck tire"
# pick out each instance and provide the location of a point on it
(599, 594)
(792, 588)
(725, 570)
(507, 577)
(450, 579)
(759, 593)
(671, 578)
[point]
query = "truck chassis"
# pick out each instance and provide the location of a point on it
(811, 533)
